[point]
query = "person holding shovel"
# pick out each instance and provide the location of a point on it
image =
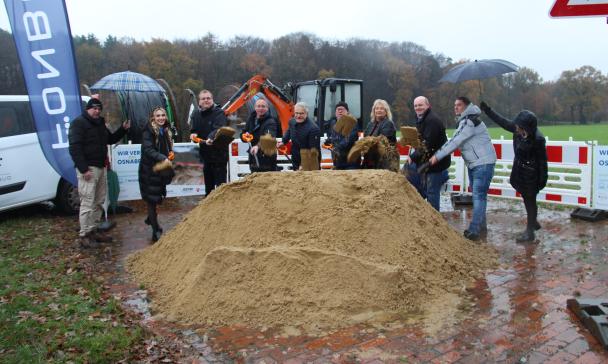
(431, 132)
(342, 137)
(261, 132)
(305, 137)
(529, 173)
(381, 124)
(204, 124)
(155, 169)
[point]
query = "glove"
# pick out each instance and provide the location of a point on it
(484, 107)
(171, 156)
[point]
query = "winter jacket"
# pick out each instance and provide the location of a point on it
(259, 127)
(304, 135)
(384, 127)
(472, 138)
(341, 146)
(205, 123)
(154, 148)
(89, 139)
(432, 132)
(529, 172)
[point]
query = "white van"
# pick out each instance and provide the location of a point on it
(25, 175)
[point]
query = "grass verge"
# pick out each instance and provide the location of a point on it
(51, 308)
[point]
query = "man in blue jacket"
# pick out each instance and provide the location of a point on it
(475, 144)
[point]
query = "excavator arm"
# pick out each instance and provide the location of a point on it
(275, 96)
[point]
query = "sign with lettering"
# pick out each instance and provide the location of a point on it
(188, 180)
(600, 177)
(44, 44)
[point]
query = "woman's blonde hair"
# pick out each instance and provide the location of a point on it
(156, 127)
(385, 106)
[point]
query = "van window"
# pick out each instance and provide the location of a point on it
(15, 118)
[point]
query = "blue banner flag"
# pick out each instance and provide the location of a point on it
(41, 31)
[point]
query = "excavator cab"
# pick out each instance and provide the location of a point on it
(323, 95)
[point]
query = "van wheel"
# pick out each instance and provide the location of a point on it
(67, 199)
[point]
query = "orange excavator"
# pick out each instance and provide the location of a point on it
(320, 95)
(260, 84)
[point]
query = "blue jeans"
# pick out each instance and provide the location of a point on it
(434, 181)
(479, 180)
(411, 171)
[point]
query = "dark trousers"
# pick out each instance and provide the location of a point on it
(215, 175)
(152, 215)
(531, 209)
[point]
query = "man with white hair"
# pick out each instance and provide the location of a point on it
(305, 137)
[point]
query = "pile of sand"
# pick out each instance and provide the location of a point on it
(323, 248)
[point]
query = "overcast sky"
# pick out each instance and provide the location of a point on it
(519, 31)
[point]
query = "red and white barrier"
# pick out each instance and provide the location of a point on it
(570, 170)
(570, 173)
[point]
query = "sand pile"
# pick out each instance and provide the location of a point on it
(324, 248)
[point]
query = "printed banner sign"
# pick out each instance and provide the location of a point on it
(188, 180)
(600, 177)
(41, 31)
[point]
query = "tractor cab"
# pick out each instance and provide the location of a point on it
(322, 96)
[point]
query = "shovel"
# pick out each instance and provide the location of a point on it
(198, 140)
(283, 150)
(247, 137)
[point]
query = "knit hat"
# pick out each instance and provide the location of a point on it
(93, 102)
(343, 104)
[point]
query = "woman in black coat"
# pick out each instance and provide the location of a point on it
(156, 146)
(529, 171)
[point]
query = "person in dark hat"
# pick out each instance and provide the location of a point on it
(529, 173)
(88, 146)
(342, 138)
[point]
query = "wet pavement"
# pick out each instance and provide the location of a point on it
(516, 314)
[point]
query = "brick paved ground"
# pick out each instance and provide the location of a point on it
(518, 312)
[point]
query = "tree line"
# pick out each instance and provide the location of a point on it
(396, 72)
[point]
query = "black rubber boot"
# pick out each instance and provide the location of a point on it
(527, 236)
(156, 233)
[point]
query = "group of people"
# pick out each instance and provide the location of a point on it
(528, 175)
(427, 166)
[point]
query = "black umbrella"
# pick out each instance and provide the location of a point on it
(479, 69)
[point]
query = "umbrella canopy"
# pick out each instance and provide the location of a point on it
(127, 81)
(479, 69)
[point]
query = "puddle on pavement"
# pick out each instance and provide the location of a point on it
(565, 247)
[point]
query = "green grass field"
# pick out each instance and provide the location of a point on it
(585, 133)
